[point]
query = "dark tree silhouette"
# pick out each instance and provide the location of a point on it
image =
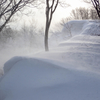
(96, 4)
(51, 6)
(9, 7)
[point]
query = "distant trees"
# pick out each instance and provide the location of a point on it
(96, 5)
(83, 13)
(79, 14)
(24, 37)
(8, 8)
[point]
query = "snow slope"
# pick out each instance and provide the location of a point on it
(38, 79)
(70, 71)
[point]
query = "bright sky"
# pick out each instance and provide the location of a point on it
(59, 14)
(64, 12)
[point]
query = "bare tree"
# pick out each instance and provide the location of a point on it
(50, 9)
(9, 7)
(96, 4)
(80, 13)
(93, 14)
(83, 13)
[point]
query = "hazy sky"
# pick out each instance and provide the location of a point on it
(60, 11)
(59, 14)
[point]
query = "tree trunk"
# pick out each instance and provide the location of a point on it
(46, 30)
(46, 39)
(49, 13)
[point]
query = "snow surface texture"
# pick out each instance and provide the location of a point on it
(85, 27)
(70, 71)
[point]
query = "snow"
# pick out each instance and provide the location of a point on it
(84, 27)
(70, 71)
(32, 78)
(74, 27)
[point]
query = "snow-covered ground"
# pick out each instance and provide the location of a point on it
(70, 71)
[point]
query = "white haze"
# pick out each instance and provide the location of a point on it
(69, 71)
(20, 42)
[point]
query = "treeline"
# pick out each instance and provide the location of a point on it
(27, 36)
(30, 36)
(82, 14)
(76, 14)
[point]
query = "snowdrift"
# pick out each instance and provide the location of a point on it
(35, 79)
(70, 71)
(74, 27)
(83, 27)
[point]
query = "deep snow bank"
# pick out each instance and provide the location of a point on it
(70, 71)
(74, 27)
(35, 79)
(84, 27)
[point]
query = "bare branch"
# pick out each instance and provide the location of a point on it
(9, 7)
(55, 6)
(49, 14)
(2, 2)
(96, 5)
